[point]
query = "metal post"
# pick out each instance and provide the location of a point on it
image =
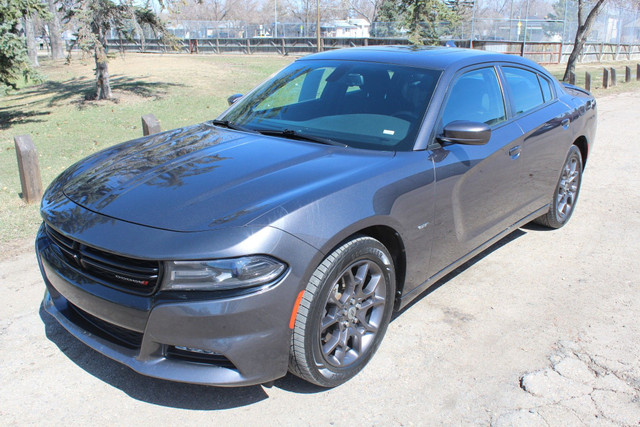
(605, 78)
(473, 18)
(275, 24)
(564, 28)
(526, 24)
(318, 26)
(511, 22)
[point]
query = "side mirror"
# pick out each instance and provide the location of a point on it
(233, 98)
(465, 132)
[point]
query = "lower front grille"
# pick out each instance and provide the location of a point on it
(116, 334)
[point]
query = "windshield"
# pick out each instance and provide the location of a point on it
(359, 104)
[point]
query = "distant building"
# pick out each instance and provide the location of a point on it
(352, 28)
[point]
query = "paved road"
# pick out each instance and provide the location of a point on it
(541, 328)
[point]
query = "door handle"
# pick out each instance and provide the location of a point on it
(565, 123)
(514, 152)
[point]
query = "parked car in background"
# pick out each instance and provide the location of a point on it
(282, 235)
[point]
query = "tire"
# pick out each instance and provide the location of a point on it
(566, 193)
(352, 292)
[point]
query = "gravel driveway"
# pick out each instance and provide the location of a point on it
(543, 327)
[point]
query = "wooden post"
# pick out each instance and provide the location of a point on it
(28, 168)
(150, 125)
(637, 71)
(587, 81)
(249, 46)
(614, 79)
(284, 47)
(605, 78)
(627, 74)
(572, 78)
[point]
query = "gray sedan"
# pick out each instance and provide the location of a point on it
(282, 235)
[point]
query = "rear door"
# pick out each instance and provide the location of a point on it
(544, 121)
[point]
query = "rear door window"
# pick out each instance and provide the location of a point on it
(546, 88)
(526, 93)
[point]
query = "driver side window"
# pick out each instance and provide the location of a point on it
(475, 96)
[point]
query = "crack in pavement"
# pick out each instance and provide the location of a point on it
(574, 373)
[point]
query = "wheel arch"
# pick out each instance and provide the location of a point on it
(392, 240)
(583, 146)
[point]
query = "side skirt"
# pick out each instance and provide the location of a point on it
(404, 300)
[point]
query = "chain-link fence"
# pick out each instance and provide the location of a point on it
(615, 24)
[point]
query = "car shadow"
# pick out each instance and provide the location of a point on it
(536, 227)
(436, 285)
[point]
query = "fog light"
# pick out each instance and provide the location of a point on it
(196, 350)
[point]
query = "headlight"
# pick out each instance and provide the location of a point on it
(220, 274)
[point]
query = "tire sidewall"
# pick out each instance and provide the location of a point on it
(555, 217)
(365, 249)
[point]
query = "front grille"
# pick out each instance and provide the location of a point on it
(116, 334)
(199, 357)
(129, 274)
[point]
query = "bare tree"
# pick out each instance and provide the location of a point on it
(95, 19)
(55, 31)
(205, 10)
(30, 33)
(587, 13)
(367, 9)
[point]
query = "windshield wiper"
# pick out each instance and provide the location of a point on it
(230, 125)
(292, 134)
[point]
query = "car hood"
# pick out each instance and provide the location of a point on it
(203, 177)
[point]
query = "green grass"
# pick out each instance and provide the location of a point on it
(178, 89)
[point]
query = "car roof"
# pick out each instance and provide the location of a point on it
(434, 57)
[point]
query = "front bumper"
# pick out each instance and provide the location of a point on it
(245, 336)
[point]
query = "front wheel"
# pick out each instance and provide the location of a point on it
(344, 313)
(566, 193)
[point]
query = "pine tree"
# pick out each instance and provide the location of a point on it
(14, 62)
(428, 20)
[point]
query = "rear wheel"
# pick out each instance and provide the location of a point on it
(566, 193)
(344, 313)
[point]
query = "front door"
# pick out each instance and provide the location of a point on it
(477, 189)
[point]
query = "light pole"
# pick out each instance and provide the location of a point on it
(275, 24)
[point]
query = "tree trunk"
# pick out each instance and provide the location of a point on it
(55, 31)
(102, 74)
(581, 34)
(32, 46)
